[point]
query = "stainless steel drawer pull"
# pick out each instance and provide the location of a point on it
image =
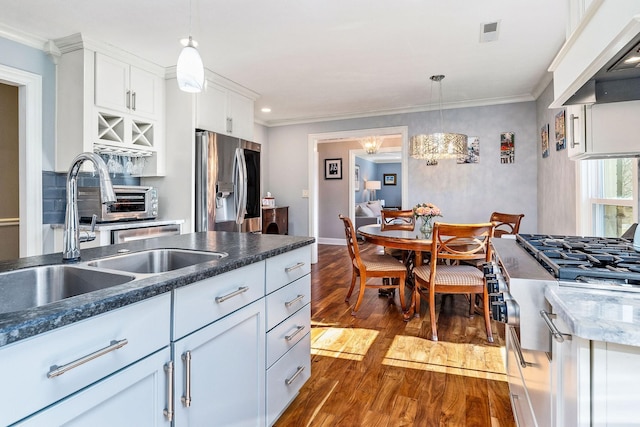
(240, 290)
(186, 399)
(296, 332)
(168, 412)
(557, 335)
(293, 267)
(289, 381)
(59, 370)
(133, 101)
(293, 301)
(516, 345)
(128, 99)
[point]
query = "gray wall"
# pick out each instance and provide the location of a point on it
(557, 212)
(464, 192)
(16, 55)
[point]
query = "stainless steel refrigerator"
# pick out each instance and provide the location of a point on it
(227, 183)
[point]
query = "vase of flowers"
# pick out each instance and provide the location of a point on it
(425, 212)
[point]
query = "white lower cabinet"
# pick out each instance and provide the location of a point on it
(219, 372)
(288, 345)
(135, 396)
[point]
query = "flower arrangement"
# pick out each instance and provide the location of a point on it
(426, 212)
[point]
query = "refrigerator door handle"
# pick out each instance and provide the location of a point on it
(242, 185)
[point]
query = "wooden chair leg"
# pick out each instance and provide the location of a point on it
(401, 292)
(432, 315)
(472, 305)
(363, 282)
(354, 275)
(487, 317)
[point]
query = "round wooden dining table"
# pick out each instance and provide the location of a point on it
(397, 239)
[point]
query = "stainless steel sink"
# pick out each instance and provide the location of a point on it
(36, 286)
(156, 260)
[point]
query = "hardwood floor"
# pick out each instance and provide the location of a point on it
(377, 370)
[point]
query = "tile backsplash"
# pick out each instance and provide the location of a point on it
(54, 191)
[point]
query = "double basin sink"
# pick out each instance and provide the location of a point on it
(36, 286)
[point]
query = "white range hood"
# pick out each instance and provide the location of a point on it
(582, 70)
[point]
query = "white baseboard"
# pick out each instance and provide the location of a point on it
(331, 241)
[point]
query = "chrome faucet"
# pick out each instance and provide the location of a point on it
(71, 240)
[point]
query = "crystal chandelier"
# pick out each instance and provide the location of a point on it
(371, 144)
(438, 145)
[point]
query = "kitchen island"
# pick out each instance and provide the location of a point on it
(167, 335)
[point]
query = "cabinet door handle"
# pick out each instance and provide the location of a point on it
(229, 125)
(572, 119)
(557, 335)
(240, 290)
(294, 267)
(518, 349)
(293, 301)
(168, 412)
(186, 399)
(59, 370)
(133, 101)
(289, 381)
(296, 332)
(128, 99)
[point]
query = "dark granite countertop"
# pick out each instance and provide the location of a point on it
(243, 249)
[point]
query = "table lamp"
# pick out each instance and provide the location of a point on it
(373, 186)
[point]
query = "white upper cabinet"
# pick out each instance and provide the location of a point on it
(224, 110)
(126, 88)
(109, 102)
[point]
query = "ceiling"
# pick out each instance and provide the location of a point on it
(313, 60)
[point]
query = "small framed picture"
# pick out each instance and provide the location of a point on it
(356, 178)
(389, 178)
(332, 168)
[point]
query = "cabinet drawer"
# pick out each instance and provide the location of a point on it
(288, 267)
(287, 300)
(282, 382)
(206, 301)
(281, 338)
(145, 326)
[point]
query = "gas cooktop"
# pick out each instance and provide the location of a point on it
(596, 260)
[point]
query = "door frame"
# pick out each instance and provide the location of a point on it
(313, 167)
(30, 156)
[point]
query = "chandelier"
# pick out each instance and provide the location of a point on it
(438, 145)
(371, 144)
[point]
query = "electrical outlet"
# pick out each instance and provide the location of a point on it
(305, 194)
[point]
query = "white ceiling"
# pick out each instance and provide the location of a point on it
(322, 59)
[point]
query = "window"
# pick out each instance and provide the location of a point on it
(611, 203)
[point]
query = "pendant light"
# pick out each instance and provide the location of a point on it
(190, 69)
(371, 144)
(438, 145)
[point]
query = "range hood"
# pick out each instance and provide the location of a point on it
(591, 66)
(617, 81)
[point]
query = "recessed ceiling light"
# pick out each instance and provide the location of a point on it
(266, 110)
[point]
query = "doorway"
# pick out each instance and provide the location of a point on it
(9, 173)
(29, 86)
(314, 167)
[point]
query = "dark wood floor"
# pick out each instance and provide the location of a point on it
(374, 369)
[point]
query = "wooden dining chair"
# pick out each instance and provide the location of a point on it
(455, 242)
(377, 266)
(506, 223)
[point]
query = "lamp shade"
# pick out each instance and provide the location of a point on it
(190, 69)
(373, 185)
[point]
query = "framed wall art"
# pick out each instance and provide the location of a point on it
(389, 178)
(507, 147)
(332, 168)
(544, 137)
(356, 178)
(561, 142)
